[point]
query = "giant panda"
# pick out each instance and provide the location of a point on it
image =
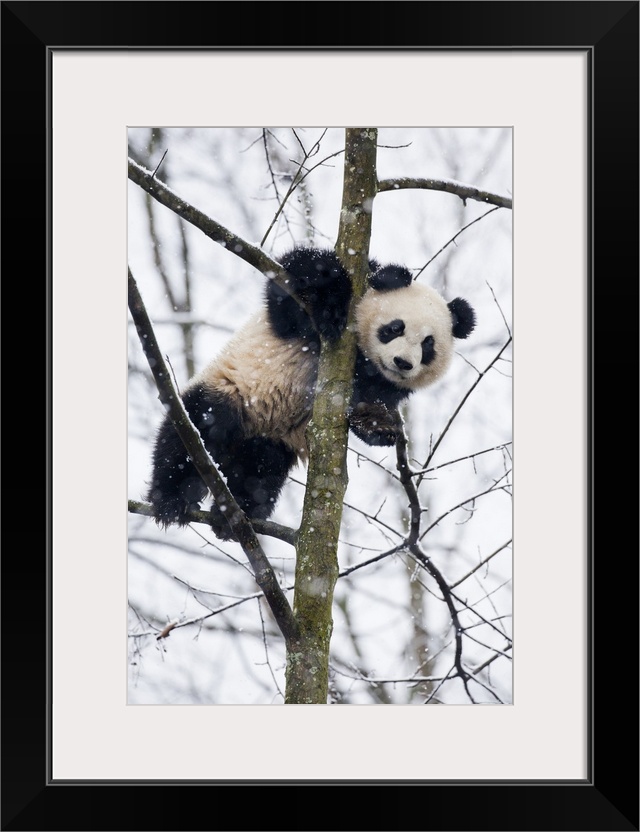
(253, 402)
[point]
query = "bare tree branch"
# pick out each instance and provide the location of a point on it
(481, 564)
(453, 239)
(214, 230)
(481, 375)
(406, 479)
(266, 527)
(461, 459)
(449, 186)
(199, 455)
(493, 488)
(297, 179)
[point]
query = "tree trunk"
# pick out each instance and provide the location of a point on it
(327, 435)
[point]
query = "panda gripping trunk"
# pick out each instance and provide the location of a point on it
(253, 402)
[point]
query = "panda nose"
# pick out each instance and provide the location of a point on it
(401, 364)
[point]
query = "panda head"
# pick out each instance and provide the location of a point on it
(407, 329)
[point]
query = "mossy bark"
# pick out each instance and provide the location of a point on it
(327, 435)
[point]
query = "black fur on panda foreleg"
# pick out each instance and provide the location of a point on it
(375, 423)
(373, 414)
(318, 278)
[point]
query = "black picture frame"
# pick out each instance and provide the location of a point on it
(608, 798)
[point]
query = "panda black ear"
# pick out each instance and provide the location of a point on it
(463, 317)
(390, 277)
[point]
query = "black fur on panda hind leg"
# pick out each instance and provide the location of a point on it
(254, 468)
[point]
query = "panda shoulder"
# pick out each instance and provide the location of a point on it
(303, 260)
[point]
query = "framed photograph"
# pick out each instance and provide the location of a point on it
(124, 676)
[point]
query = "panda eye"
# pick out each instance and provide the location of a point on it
(390, 331)
(428, 350)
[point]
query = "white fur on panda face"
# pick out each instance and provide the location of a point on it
(424, 313)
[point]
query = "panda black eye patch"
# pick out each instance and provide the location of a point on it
(388, 332)
(428, 350)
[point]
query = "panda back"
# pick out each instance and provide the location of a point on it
(269, 380)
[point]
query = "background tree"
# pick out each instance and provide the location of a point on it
(422, 604)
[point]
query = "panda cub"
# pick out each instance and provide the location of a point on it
(253, 402)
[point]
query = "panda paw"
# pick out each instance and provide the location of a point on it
(171, 510)
(220, 524)
(331, 322)
(375, 424)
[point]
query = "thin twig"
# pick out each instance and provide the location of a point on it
(481, 375)
(153, 175)
(464, 228)
(461, 459)
(481, 564)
